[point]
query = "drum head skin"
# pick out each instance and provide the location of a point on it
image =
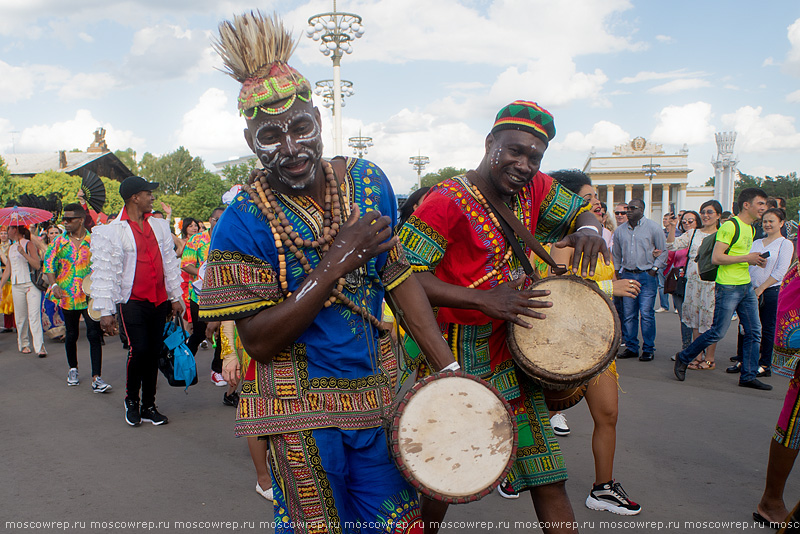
(87, 285)
(454, 437)
(94, 314)
(578, 339)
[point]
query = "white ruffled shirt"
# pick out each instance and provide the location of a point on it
(114, 263)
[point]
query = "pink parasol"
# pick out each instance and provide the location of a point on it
(22, 216)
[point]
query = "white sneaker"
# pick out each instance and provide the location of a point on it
(99, 386)
(611, 497)
(267, 494)
(661, 310)
(72, 377)
(559, 424)
(217, 379)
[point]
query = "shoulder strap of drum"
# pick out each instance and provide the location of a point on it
(513, 227)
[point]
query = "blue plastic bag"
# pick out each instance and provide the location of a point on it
(177, 362)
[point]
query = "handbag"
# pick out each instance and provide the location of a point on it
(38, 279)
(676, 281)
(176, 361)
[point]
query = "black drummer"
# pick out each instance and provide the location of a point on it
(463, 259)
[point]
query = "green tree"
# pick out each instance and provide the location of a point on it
(172, 171)
(197, 201)
(128, 157)
(433, 178)
(238, 174)
(8, 187)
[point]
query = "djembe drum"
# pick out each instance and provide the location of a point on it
(453, 437)
(576, 342)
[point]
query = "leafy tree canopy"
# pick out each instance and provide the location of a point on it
(238, 174)
(433, 178)
(172, 171)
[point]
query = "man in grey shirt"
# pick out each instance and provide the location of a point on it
(634, 244)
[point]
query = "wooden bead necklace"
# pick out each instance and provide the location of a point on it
(496, 270)
(287, 238)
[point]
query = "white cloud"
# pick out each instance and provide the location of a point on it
(84, 85)
(552, 81)
(395, 31)
(757, 133)
(666, 39)
(212, 127)
(768, 62)
(73, 133)
(690, 124)
(85, 37)
(189, 52)
(683, 84)
(646, 76)
(22, 83)
(794, 96)
(792, 63)
(603, 135)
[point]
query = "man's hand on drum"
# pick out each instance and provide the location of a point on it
(507, 302)
(626, 288)
(588, 245)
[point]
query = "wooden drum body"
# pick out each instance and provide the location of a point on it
(576, 342)
(454, 437)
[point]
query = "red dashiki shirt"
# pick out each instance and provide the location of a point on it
(194, 254)
(70, 262)
(148, 282)
(452, 236)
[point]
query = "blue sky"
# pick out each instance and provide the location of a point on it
(428, 77)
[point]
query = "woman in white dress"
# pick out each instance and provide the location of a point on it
(698, 300)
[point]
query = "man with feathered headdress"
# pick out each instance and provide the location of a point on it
(301, 260)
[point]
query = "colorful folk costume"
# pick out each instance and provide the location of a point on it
(785, 355)
(453, 236)
(323, 399)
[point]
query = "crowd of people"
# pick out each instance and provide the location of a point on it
(292, 275)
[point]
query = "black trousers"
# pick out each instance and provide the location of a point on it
(72, 323)
(143, 323)
(199, 335)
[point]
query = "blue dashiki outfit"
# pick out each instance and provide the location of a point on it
(320, 400)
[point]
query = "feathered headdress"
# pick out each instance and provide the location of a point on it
(255, 50)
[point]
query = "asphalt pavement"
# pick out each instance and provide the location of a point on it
(693, 454)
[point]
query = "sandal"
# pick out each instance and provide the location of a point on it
(26, 350)
(696, 363)
(706, 365)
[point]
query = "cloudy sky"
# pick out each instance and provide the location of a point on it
(428, 77)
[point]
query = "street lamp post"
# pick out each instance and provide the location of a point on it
(360, 144)
(336, 31)
(419, 163)
(324, 88)
(650, 171)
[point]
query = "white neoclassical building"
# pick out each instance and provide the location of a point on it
(641, 169)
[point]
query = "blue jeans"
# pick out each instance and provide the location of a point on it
(642, 305)
(686, 332)
(662, 297)
(727, 299)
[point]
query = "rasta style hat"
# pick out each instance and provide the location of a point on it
(527, 117)
(255, 49)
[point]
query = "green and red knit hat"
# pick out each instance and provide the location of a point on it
(527, 117)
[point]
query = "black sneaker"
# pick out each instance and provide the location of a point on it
(151, 415)
(680, 368)
(627, 354)
(610, 496)
(132, 414)
(646, 357)
(507, 491)
(230, 400)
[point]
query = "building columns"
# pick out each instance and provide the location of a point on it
(664, 199)
(682, 197)
(610, 196)
(628, 192)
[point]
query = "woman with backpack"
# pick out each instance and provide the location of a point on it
(698, 300)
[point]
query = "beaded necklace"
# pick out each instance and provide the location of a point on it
(287, 238)
(509, 252)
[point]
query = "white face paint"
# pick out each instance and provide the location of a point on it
(289, 147)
